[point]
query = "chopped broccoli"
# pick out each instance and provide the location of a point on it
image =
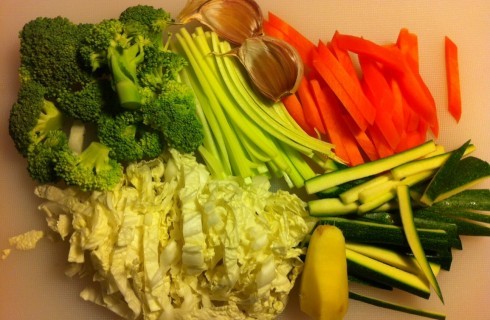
(146, 20)
(32, 116)
(158, 67)
(128, 138)
(49, 53)
(173, 112)
(41, 159)
(108, 46)
(90, 102)
(93, 169)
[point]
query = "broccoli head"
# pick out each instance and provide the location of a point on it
(173, 112)
(146, 20)
(92, 169)
(158, 67)
(32, 116)
(88, 103)
(49, 53)
(42, 158)
(108, 47)
(128, 138)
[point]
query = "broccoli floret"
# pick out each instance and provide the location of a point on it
(90, 102)
(173, 112)
(158, 67)
(146, 20)
(49, 53)
(32, 116)
(42, 158)
(108, 46)
(93, 169)
(128, 138)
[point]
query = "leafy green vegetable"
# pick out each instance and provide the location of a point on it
(169, 240)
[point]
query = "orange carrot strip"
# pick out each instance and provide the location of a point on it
(304, 46)
(293, 106)
(363, 140)
(344, 58)
(310, 109)
(349, 91)
(379, 141)
(411, 83)
(272, 31)
(407, 42)
(330, 109)
(452, 77)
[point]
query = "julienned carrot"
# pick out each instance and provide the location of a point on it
(310, 109)
(379, 91)
(329, 108)
(344, 58)
(411, 83)
(379, 141)
(349, 91)
(295, 109)
(304, 46)
(452, 77)
(407, 42)
(363, 140)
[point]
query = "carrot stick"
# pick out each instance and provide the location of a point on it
(452, 78)
(304, 46)
(293, 106)
(407, 42)
(363, 140)
(330, 109)
(349, 92)
(411, 83)
(344, 58)
(310, 109)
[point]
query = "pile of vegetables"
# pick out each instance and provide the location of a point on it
(154, 146)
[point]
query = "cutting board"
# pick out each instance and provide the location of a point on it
(32, 283)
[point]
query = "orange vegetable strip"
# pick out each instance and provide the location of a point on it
(398, 116)
(310, 109)
(412, 85)
(379, 141)
(407, 42)
(350, 143)
(452, 78)
(344, 57)
(349, 92)
(272, 31)
(388, 56)
(379, 91)
(293, 106)
(363, 140)
(304, 46)
(330, 109)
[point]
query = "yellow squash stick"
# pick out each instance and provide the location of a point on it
(324, 292)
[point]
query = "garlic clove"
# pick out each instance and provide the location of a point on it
(233, 20)
(274, 66)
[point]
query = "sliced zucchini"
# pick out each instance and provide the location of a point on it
(429, 163)
(455, 176)
(413, 237)
(359, 264)
(337, 177)
(395, 306)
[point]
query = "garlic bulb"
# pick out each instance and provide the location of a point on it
(273, 65)
(233, 20)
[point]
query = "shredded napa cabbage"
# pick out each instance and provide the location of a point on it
(170, 242)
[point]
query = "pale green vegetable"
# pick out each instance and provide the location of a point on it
(170, 242)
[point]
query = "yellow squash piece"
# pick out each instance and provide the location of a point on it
(324, 292)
